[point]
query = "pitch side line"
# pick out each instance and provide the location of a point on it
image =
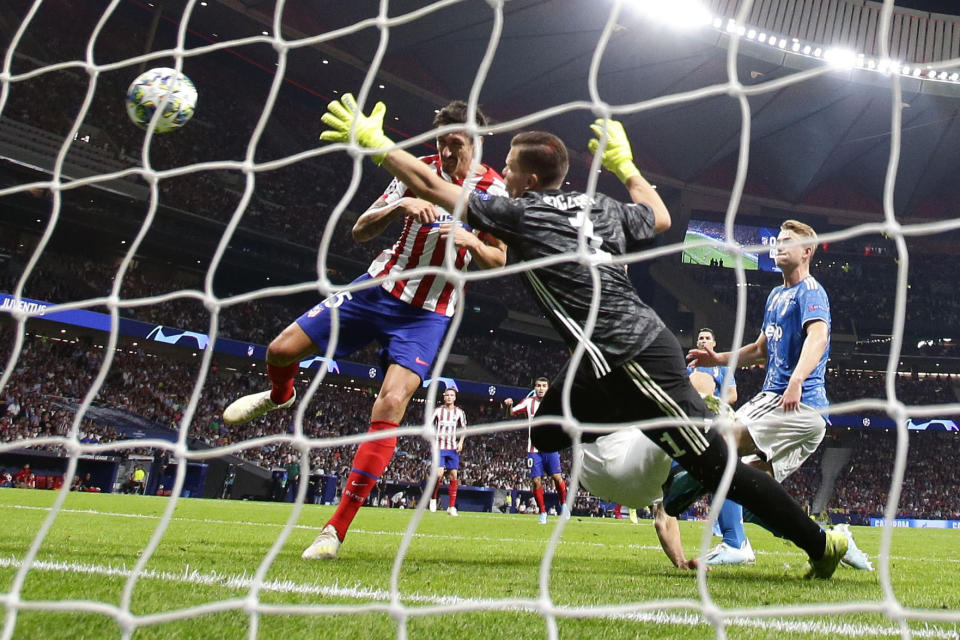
(244, 582)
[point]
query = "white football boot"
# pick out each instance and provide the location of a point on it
(253, 406)
(325, 545)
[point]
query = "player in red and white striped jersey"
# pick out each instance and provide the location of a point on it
(407, 316)
(539, 463)
(448, 422)
(422, 243)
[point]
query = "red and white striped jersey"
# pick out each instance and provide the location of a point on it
(528, 408)
(419, 246)
(445, 424)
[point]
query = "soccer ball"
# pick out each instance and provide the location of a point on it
(151, 88)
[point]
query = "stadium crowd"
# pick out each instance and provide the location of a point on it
(52, 377)
(291, 204)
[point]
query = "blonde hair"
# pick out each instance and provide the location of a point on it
(801, 229)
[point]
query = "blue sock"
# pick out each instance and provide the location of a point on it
(731, 524)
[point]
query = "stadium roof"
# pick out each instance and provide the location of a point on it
(824, 142)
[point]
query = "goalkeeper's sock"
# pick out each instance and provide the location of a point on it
(281, 381)
(538, 495)
(562, 491)
(453, 492)
(368, 464)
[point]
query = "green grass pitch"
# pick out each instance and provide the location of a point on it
(703, 255)
(453, 568)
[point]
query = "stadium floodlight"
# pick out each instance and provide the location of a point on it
(684, 14)
(841, 58)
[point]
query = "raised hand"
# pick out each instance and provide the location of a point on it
(617, 156)
(340, 116)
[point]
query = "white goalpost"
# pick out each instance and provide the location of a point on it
(728, 23)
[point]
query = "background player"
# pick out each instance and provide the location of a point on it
(783, 424)
(447, 419)
(632, 367)
(735, 547)
(408, 316)
(540, 463)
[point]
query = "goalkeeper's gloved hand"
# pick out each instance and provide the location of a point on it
(617, 156)
(340, 116)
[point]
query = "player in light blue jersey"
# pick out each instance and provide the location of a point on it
(709, 380)
(783, 424)
(735, 547)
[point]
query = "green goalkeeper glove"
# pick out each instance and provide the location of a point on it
(341, 114)
(617, 157)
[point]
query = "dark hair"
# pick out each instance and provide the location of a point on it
(708, 330)
(456, 113)
(542, 154)
(541, 379)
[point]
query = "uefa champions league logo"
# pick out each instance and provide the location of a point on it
(201, 340)
(332, 366)
(448, 383)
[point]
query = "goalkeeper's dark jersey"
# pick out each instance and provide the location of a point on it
(541, 224)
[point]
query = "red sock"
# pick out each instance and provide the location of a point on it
(562, 490)
(436, 489)
(281, 381)
(368, 464)
(453, 492)
(538, 494)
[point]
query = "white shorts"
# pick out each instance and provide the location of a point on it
(625, 467)
(786, 439)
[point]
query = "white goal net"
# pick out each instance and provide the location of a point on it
(249, 166)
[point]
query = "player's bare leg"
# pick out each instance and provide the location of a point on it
(283, 357)
(372, 457)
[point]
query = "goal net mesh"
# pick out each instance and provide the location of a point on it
(254, 170)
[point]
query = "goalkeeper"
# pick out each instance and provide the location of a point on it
(632, 367)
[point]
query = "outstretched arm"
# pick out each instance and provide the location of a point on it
(748, 354)
(618, 159)
(668, 530)
(418, 177)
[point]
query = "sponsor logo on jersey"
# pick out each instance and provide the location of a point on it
(773, 332)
